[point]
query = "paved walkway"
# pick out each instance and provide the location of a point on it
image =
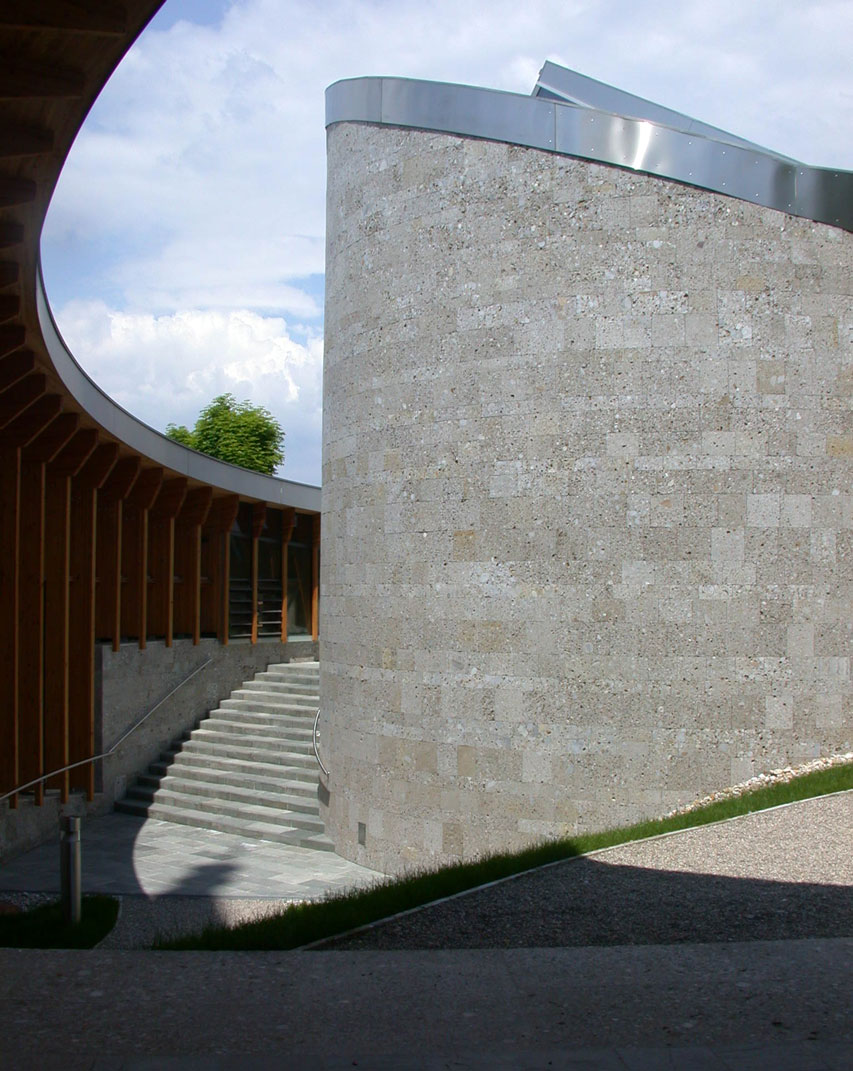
(123, 855)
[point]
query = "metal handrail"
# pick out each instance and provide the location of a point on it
(116, 745)
(314, 743)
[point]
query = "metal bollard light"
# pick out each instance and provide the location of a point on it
(71, 873)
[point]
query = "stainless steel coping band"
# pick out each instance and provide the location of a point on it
(569, 87)
(722, 164)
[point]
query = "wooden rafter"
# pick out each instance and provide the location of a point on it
(145, 489)
(15, 367)
(170, 497)
(12, 337)
(97, 18)
(27, 79)
(16, 191)
(223, 513)
(17, 139)
(15, 399)
(98, 466)
(121, 479)
(196, 506)
(32, 421)
(10, 270)
(71, 458)
(49, 442)
(10, 307)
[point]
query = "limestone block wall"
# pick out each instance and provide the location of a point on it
(588, 524)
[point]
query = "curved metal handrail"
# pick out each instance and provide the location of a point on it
(116, 745)
(314, 737)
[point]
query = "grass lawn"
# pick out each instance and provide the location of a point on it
(43, 927)
(300, 924)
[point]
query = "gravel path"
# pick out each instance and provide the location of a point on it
(786, 873)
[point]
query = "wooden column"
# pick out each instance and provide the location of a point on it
(20, 431)
(288, 523)
(315, 578)
(188, 525)
(57, 501)
(259, 515)
(135, 553)
(109, 541)
(220, 520)
(10, 502)
(88, 476)
(31, 625)
(161, 557)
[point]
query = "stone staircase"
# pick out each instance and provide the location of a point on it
(249, 768)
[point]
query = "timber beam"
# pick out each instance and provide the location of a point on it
(14, 368)
(32, 421)
(74, 454)
(78, 16)
(15, 399)
(53, 438)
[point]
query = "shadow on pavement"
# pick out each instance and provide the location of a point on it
(585, 902)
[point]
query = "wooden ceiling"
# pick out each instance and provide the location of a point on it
(55, 56)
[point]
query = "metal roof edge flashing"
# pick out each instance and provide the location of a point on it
(700, 156)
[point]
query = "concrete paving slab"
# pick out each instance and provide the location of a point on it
(136, 856)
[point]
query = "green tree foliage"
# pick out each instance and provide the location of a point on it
(239, 432)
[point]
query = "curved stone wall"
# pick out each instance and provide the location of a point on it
(587, 543)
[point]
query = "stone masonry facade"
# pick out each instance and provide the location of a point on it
(587, 511)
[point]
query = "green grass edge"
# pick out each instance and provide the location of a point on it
(305, 923)
(44, 927)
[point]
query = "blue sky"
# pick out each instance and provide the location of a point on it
(183, 251)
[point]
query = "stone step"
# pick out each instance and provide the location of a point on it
(265, 740)
(150, 787)
(253, 830)
(260, 730)
(284, 697)
(253, 810)
(201, 761)
(214, 745)
(309, 681)
(269, 682)
(226, 778)
(295, 671)
(298, 723)
(268, 706)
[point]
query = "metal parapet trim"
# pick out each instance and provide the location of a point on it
(730, 167)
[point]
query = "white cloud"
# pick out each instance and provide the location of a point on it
(165, 369)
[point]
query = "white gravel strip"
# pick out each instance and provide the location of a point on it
(782, 775)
